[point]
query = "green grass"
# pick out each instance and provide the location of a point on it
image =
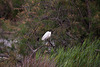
(79, 56)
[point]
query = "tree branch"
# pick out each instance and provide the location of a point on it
(89, 13)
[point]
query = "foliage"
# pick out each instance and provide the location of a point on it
(69, 21)
(10, 8)
(75, 26)
(79, 56)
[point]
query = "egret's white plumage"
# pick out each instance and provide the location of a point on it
(46, 35)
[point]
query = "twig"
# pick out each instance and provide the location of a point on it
(34, 51)
(97, 50)
(71, 36)
(4, 55)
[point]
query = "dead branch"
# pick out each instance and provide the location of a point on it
(35, 50)
(97, 50)
(71, 36)
(89, 12)
(4, 55)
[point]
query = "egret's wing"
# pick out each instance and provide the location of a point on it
(46, 35)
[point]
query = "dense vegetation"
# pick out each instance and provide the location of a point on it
(75, 26)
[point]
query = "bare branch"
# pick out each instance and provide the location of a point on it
(34, 51)
(97, 50)
(89, 13)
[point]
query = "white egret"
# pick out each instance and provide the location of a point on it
(46, 36)
(48, 42)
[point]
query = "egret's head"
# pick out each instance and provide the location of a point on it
(50, 31)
